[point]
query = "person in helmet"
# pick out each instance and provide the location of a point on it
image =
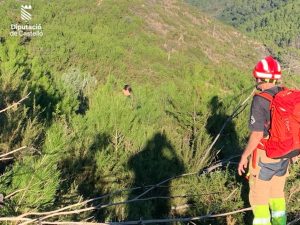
(266, 176)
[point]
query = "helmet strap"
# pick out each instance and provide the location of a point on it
(260, 81)
(265, 80)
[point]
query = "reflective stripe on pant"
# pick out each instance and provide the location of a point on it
(261, 191)
(278, 211)
(261, 215)
(267, 193)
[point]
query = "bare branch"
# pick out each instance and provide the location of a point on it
(73, 223)
(80, 204)
(15, 104)
(236, 111)
(4, 159)
(74, 205)
(294, 221)
(156, 221)
(60, 214)
(181, 219)
(207, 170)
(15, 192)
(61, 211)
(188, 219)
(229, 196)
(11, 152)
(165, 181)
(14, 219)
(179, 207)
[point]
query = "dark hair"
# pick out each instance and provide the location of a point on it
(127, 88)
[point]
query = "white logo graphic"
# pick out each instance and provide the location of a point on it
(25, 15)
(252, 120)
(26, 29)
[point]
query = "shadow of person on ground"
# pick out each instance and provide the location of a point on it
(228, 144)
(155, 163)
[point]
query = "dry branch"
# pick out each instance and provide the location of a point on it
(155, 221)
(180, 219)
(180, 207)
(11, 152)
(232, 193)
(61, 212)
(13, 193)
(164, 181)
(235, 113)
(14, 219)
(15, 104)
(294, 222)
(188, 219)
(4, 159)
(73, 223)
(76, 204)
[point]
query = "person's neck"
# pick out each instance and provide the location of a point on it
(266, 86)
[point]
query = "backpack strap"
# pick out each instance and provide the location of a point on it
(270, 96)
(265, 95)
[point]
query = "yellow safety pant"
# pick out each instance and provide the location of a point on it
(267, 189)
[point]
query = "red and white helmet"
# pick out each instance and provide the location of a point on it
(267, 68)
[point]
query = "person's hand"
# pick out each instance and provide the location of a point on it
(243, 164)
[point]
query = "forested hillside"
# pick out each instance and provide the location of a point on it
(275, 23)
(76, 149)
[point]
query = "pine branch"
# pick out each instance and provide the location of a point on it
(62, 211)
